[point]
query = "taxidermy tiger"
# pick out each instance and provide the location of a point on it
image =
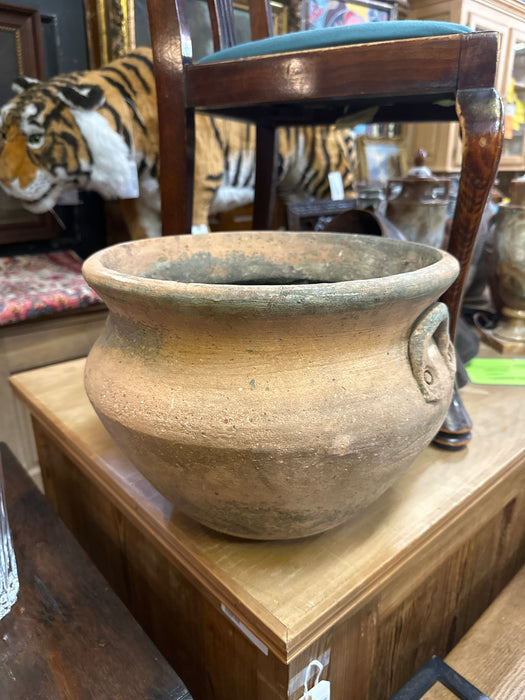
(97, 130)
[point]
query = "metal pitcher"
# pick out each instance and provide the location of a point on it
(418, 208)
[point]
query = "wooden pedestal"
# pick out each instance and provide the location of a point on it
(239, 620)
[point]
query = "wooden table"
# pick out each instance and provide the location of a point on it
(372, 599)
(492, 654)
(68, 636)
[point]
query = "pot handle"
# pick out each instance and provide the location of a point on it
(431, 353)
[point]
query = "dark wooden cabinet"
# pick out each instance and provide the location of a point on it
(68, 635)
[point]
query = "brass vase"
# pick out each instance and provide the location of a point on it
(508, 285)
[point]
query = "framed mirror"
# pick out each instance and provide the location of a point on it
(381, 158)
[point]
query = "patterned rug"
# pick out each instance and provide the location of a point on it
(45, 283)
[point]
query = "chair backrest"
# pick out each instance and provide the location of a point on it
(261, 21)
(172, 13)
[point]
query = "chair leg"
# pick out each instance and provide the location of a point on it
(177, 171)
(265, 178)
(176, 123)
(480, 115)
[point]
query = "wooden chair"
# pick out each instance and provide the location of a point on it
(399, 71)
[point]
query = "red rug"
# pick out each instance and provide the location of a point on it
(46, 283)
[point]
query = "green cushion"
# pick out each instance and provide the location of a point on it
(362, 33)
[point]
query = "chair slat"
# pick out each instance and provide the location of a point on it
(261, 21)
(222, 24)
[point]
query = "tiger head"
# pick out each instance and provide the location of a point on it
(52, 139)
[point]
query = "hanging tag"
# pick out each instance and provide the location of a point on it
(130, 188)
(320, 690)
(337, 189)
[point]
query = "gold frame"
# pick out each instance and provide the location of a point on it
(397, 148)
(110, 26)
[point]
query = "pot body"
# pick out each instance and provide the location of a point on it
(261, 404)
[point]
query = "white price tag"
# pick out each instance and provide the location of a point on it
(337, 189)
(244, 629)
(320, 690)
(130, 189)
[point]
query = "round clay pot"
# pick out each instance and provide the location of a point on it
(271, 385)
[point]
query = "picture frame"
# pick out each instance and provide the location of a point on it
(380, 158)
(326, 13)
(110, 28)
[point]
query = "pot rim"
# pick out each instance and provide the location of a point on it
(426, 281)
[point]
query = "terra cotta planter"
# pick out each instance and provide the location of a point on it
(271, 385)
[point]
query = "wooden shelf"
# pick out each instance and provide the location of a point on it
(442, 141)
(374, 598)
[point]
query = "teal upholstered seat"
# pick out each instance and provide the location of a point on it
(363, 33)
